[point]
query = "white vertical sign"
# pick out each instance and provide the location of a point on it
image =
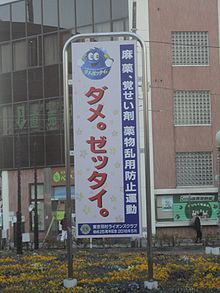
(106, 139)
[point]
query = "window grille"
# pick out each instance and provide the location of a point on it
(190, 48)
(192, 108)
(194, 169)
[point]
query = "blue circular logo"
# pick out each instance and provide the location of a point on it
(96, 63)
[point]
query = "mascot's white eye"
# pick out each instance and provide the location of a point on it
(90, 56)
(96, 56)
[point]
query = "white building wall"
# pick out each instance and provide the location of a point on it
(5, 200)
(142, 29)
(218, 4)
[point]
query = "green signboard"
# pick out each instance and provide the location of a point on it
(59, 176)
(58, 215)
(179, 212)
(185, 206)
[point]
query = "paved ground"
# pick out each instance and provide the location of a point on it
(168, 250)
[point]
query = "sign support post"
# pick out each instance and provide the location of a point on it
(72, 282)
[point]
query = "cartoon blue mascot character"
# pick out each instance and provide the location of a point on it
(96, 63)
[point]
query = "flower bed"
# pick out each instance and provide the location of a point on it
(112, 271)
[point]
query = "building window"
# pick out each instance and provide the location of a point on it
(20, 116)
(33, 17)
(22, 154)
(19, 55)
(190, 48)
(84, 16)
(119, 11)
(40, 206)
(67, 14)
(50, 15)
(194, 169)
(120, 25)
(51, 78)
(102, 27)
(6, 147)
(34, 52)
(50, 49)
(53, 150)
(192, 108)
(18, 19)
(36, 116)
(6, 90)
(20, 85)
(5, 23)
(35, 83)
(5, 58)
(53, 114)
(37, 149)
(6, 125)
(59, 193)
(102, 11)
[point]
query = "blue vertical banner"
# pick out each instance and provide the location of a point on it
(105, 126)
(129, 134)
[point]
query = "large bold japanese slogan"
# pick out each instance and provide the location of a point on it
(106, 139)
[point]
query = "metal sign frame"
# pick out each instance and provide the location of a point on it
(67, 140)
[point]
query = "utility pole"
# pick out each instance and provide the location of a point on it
(18, 214)
(36, 236)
